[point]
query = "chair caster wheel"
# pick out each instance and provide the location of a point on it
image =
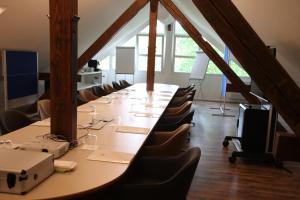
(232, 159)
(225, 143)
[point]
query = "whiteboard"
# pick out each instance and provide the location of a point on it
(200, 66)
(125, 60)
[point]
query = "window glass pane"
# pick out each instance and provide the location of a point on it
(183, 65)
(212, 68)
(104, 63)
(185, 46)
(238, 69)
(159, 45)
(142, 63)
(179, 30)
(143, 44)
(130, 43)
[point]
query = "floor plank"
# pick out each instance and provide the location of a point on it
(216, 178)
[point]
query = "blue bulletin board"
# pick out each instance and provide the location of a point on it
(21, 73)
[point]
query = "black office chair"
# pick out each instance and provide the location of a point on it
(80, 100)
(182, 91)
(124, 83)
(171, 123)
(178, 101)
(12, 120)
(99, 91)
(166, 143)
(161, 178)
(108, 88)
(116, 86)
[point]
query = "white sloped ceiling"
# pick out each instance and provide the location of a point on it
(24, 26)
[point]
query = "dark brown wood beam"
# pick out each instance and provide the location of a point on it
(110, 32)
(209, 50)
(255, 58)
(152, 44)
(63, 70)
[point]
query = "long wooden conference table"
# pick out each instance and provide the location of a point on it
(131, 114)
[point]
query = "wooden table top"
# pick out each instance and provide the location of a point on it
(132, 106)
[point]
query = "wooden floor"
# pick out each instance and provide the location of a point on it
(216, 178)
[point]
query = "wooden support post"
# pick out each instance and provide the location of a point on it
(255, 58)
(152, 45)
(110, 32)
(209, 50)
(63, 55)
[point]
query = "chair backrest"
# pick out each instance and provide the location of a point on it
(87, 95)
(173, 122)
(12, 120)
(170, 143)
(187, 164)
(178, 101)
(169, 177)
(124, 83)
(80, 100)
(179, 109)
(99, 91)
(108, 88)
(44, 108)
(116, 85)
(183, 91)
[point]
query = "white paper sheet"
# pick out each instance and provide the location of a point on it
(110, 156)
(131, 129)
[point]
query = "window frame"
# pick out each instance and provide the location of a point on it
(186, 36)
(162, 36)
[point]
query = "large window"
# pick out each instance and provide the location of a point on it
(184, 55)
(142, 48)
(185, 50)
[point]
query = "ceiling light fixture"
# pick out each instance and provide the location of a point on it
(2, 9)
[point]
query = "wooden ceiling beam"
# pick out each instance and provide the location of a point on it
(209, 50)
(134, 8)
(152, 44)
(255, 57)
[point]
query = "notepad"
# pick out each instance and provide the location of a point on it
(110, 156)
(132, 129)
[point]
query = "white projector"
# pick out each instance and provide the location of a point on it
(50, 146)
